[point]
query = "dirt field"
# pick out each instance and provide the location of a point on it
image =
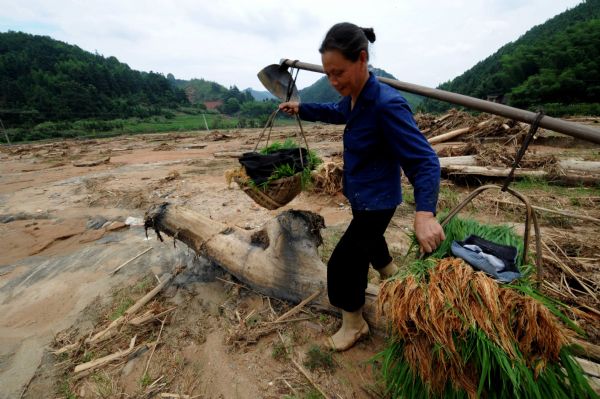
(65, 228)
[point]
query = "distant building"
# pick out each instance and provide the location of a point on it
(496, 98)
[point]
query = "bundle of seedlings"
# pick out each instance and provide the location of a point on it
(458, 333)
(275, 175)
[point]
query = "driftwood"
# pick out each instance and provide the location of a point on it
(228, 154)
(455, 133)
(580, 166)
(586, 350)
(279, 260)
(492, 171)
(463, 160)
(95, 162)
(567, 165)
(106, 359)
(567, 177)
(150, 315)
(308, 377)
(590, 368)
(297, 308)
(166, 278)
(448, 136)
(130, 260)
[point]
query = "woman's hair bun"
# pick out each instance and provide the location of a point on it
(369, 33)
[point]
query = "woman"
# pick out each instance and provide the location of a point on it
(380, 137)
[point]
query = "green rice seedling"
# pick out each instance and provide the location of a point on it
(457, 333)
(287, 170)
(278, 145)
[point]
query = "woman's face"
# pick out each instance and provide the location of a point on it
(345, 76)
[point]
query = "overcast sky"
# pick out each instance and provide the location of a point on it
(424, 42)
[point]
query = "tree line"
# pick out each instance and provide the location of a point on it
(554, 66)
(42, 79)
(53, 89)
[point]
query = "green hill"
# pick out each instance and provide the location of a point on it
(321, 91)
(200, 90)
(554, 66)
(259, 95)
(42, 79)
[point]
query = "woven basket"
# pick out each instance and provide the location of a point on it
(278, 193)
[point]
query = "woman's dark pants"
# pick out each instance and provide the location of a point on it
(348, 266)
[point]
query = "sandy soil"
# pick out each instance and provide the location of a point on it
(63, 230)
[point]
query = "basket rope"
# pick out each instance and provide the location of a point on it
(280, 191)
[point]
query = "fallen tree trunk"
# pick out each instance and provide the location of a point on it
(491, 171)
(565, 178)
(465, 168)
(455, 133)
(566, 165)
(448, 136)
(279, 260)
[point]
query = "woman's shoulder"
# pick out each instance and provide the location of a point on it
(389, 94)
(390, 98)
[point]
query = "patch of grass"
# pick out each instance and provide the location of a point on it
(143, 286)
(87, 356)
(297, 335)
(253, 320)
(408, 195)
(145, 380)
(330, 239)
(279, 352)
(64, 389)
(560, 221)
(121, 306)
(316, 358)
(310, 394)
(104, 385)
(448, 199)
(530, 184)
(180, 122)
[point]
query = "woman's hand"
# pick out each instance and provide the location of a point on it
(290, 107)
(429, 232)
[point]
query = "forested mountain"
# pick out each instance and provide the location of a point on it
(199, 90)
(260, 95)
(42, 79)
(554, 66)
(322, 91)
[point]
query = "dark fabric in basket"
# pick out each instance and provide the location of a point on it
(508, 254)
(260, 166)
(499, 261)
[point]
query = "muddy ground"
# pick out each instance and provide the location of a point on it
(65, 228)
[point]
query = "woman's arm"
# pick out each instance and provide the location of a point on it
(420, 164)
(313, 112)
